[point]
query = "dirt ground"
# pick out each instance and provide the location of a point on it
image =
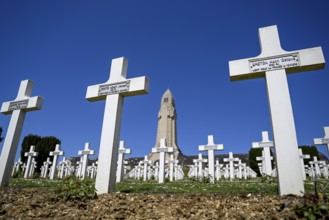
(36, 204)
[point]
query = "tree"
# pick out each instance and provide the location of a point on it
(28, 140)
(43, 145)
(1, 138)
(253, 163)
(309, 150)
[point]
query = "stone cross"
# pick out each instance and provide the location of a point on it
(113, 91)
(18, 108)
(62, 168)
(266, 144)
(156, 171)
(171, 162)
(200, 160)
(46, 163)
(85, 154)
(274, 63)
(211, 147)
(93, 171)
(162, 149)
(218, 170)
(231, 159)
(325, 140)
(146, 162)
(301, 159)
(316, 163)
(17, 166)
(29, 156)
(57, 152)
(121, 152)
(32, 168)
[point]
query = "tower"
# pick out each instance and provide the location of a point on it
(167, 126)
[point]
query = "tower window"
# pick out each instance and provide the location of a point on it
(165, 99)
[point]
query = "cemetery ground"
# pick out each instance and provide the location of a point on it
(187, 199)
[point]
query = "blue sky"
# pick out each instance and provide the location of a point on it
(65, 46)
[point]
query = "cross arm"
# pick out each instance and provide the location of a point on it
(134, 86)
(306, 60)
(27, 105)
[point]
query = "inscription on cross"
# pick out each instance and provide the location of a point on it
(113, 91)
(18, 108)
(273, 63)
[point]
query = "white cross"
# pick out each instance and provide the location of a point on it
(18, 108)
(113, 91)
(266, 144)
(301, 159)
(200, 160)
(85, 154)
(62, 168)
(162, 149)
(171, 162)
(231, 159)
(45, 171)
(211, 147)
(122, 151)
(146, 162)
(273, 63)
(32, 168)
(218, 172)
(57, 152)
(316, 163)
(325, 140)
(29, 164)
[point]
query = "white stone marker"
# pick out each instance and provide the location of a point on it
(273, 63)
(29, 156)
(146, 162)
(218, 170)
(316, 163)
(171, 162)
(325, 140)
(85, 154)
(200, 160)
(57, 152)
(301, 159)
(211, 147)
(162, 150)
(121, 152)
(33, 166)
(113, 91)
(18, 108)
(231, 159)
(45, 171)
(266, 144)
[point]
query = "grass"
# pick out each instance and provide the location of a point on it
(254, 186)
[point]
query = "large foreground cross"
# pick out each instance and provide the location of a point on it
(18, 108)
(273, 63)
(113, 91)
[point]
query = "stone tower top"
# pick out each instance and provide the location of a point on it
(167, 126)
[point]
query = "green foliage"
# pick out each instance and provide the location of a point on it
(315, 204)
(1, 138)
(309, 150)
(253, 163)
(74, 188)
(28, 140)
(43, 145)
